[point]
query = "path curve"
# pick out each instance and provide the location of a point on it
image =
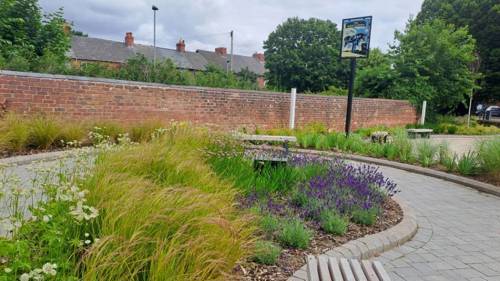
(459, 232)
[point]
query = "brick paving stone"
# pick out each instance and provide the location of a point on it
(459, 232)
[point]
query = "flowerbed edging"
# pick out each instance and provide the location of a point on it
(374, 244)
(27, 159)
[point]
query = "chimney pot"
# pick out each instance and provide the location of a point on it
(129, 39)
(221, 51)
(181, 46)
(259, 56)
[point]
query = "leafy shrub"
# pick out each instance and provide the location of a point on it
(426, 153)
(294, 234)
(468, 164)
(452, 129)
(333, 223)
(266, 252)
(365, 216)
(489, 155)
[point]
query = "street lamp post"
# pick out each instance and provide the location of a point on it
(154, 8)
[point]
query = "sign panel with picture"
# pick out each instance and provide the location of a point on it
(356, 33)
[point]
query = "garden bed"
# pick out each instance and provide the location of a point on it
(291, 260)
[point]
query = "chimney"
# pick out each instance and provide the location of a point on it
(67, 28)
(181, 46)
(259, 56)
(129, 39)
(221, 51)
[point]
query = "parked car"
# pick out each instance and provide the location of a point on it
(491, 111)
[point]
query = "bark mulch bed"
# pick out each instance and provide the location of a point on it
(293, 259)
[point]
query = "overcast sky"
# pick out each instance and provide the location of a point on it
(205, 24)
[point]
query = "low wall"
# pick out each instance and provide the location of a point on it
(125, 101)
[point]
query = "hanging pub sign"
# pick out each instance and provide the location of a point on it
(356, 33)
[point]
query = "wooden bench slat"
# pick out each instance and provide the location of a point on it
(333, 264)
(381, 273)
(346, 270)
(312, 266)
(368, 270)
(324, 272)
(357, 270)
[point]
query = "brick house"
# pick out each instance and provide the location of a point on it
(114, 53)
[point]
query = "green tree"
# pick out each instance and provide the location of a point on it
(26, 36)
(303, 54)
(431, 62)
(482, 17)
(375, 76)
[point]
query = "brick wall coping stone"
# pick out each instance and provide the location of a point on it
(159, 85)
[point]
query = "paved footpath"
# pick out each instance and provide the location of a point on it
(458, 236)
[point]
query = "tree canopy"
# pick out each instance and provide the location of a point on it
(303, 54)
(482, 17)
(28, 38)
(432, 63)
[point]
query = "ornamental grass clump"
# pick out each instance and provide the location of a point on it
(266, 252)
(468, 164)
(426, 153)
(165, 214)
(488, 153)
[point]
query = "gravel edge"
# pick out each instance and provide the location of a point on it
(374, 244)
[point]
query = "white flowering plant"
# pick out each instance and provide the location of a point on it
(46, 223)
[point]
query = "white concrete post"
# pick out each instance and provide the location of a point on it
(422, 117)
(293, 98)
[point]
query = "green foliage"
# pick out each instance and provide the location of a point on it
(432, 61)
(295, 234)
(165, 213)
(30, 41)
(376, 77)
(333, 91)
(481, 17)
(333, 223)
(365, 217)
(426, 153)
(269, 224)
(489, 155)
(468, 164)
(266, 252)
(303, 54)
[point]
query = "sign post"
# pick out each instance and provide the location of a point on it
(356, 35)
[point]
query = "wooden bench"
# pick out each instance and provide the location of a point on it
(419, 133)
(261, 160)
(324, 268)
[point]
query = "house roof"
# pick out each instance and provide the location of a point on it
(239, 62)
(96, 49)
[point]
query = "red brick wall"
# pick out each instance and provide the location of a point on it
(90, 98)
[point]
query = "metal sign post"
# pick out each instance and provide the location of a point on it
(356, 35)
